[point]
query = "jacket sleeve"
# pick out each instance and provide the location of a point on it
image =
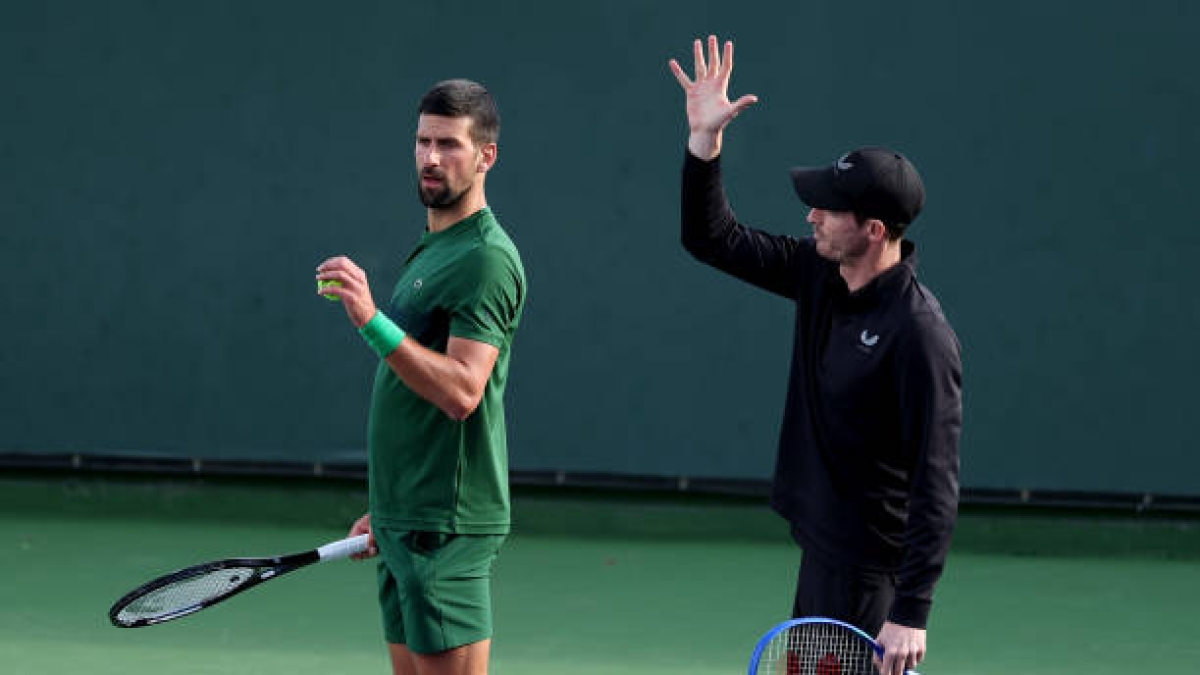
(711, 233)
(930, 382)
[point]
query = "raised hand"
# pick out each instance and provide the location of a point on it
(354, 292)
(709, 110)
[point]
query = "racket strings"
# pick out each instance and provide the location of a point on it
(185, 593)
(817, 649)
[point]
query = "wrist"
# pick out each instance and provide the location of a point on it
(705, 145)
(382, 334)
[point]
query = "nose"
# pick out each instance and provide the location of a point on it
(813, 216)
(429, 156)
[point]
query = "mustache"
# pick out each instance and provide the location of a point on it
(433, 173)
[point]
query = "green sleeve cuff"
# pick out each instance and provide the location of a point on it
(382, 334)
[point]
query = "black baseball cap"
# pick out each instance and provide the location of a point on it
(874, 182)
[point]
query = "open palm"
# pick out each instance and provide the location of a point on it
(708, 107)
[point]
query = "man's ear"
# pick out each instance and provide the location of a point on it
(877, 231)
(487, 157)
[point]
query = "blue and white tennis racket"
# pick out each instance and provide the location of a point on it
(815, 646)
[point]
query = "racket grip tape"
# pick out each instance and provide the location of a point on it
(344, 548)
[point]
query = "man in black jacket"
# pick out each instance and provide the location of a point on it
(867, 467)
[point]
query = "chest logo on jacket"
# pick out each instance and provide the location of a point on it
(867, 341)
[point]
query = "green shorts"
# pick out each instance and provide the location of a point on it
(435, 588)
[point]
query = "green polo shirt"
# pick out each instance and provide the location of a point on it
(428, 471)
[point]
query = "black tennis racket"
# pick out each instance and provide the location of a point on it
(192, 589)
(815, 646)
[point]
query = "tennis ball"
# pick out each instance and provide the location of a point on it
(322, 285)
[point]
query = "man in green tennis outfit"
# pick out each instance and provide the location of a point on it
(436, 434)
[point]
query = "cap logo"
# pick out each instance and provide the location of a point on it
(843, 165)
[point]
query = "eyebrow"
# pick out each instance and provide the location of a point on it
(441, 140)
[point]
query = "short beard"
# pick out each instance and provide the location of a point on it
(849, 253)
(441, 198)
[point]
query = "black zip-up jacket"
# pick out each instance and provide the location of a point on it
(867, 466)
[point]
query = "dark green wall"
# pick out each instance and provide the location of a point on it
(172, 173)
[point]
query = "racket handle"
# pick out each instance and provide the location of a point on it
(344, 548)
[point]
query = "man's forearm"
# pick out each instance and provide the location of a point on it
(704, 211)
(446, 382)
(933, 512)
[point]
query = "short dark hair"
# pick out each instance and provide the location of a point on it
(464, 98)
(895, 230)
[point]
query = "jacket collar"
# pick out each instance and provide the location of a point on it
(886, 284)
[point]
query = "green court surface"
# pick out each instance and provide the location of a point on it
(589, 583)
